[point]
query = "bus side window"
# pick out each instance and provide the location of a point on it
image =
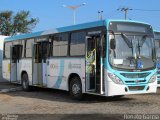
(14, 55)
(29, 45)
(45, 50)
(48, 50)
(4, 51)
(60, 45)
(23, 48)
(7, 50)
(104, 46)
(77, 45)
(19, 50)
(37, 50)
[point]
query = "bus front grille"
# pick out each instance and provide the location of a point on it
(158, 77)
(134, 81)
(135, 88)
(135, 75)
(158, 72)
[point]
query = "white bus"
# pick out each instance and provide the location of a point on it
(2, 37)
(108, 58)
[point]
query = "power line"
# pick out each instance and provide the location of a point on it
(126, 9)
(149, 10)
(114, 14)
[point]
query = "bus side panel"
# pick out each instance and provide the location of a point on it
(60, 69)
(6, 68)
(26, 65)
(77, 66)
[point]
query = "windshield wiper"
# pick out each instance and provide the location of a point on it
(140, 43)
(133, 44)
(139, 50)
(130, 45)
(143, 40)
(125, 38)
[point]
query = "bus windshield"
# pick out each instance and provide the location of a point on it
(132, 52)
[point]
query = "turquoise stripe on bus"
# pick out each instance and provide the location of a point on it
(58, 30)
(60, 75)
(68, 28)
(23, 36)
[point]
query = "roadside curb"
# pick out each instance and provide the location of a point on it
(10, 90)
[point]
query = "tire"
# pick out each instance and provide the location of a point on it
(25, 82)
(75, 88)
(117, 96)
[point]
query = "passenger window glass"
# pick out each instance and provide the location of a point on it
(29, 45)
(60, 45)
(7, 50)
(77, 46)
(40, 39)
(23, 49)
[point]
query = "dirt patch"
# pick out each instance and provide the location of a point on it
(48, 101)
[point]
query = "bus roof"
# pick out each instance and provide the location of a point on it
(157, 35)
(57, 30)
(67, 29)
(156, 31)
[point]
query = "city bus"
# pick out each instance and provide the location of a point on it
(106, 58)
(157, 47)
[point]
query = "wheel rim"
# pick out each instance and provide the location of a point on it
(75, 89)
(24, 82)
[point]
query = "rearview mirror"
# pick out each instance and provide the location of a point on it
(113, 44)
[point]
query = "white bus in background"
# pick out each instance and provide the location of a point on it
(1, 54)
(107, 58)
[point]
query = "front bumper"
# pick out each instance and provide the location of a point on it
(158, 80)
(116, 89)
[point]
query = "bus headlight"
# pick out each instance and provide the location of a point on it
(153, 79)
(114, 78)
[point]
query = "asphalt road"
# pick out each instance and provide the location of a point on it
(48, 101)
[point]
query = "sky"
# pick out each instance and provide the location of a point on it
(52, 14)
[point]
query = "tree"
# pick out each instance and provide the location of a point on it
(21, 22)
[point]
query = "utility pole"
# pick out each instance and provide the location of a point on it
(125, 10)
(100, 15)
(74, 8)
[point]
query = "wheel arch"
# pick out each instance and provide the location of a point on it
(71, 76)
(23, 72)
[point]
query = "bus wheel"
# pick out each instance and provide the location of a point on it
(25, 82)
(117, 96)
(75, 88)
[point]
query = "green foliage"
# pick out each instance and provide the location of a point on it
(21, 22)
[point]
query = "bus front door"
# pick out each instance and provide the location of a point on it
(16, 52)
(94, 66)
(41, 53)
